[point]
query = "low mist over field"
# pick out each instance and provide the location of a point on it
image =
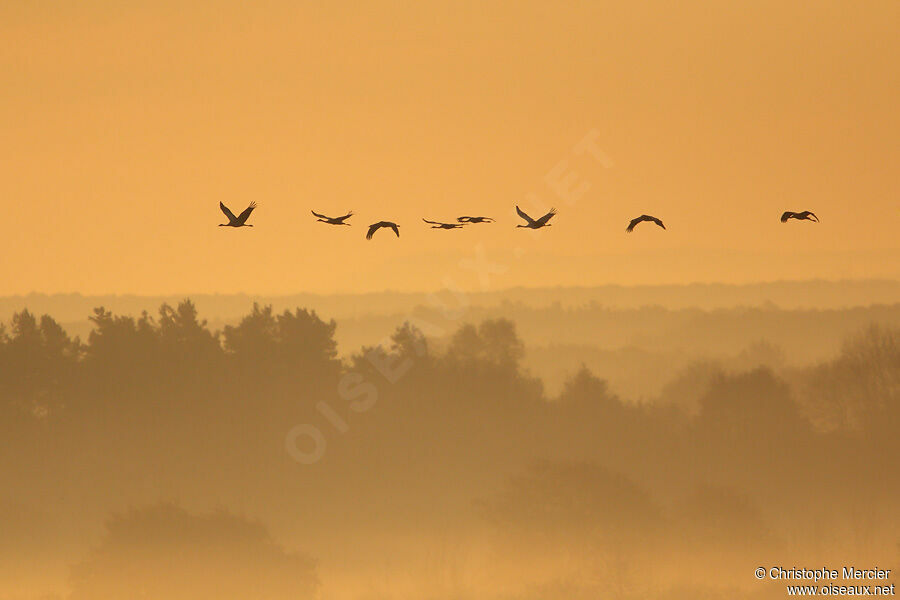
(506, 449)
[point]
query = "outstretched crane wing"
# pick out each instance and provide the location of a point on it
(242, 218)
(228, 213)
(522, 214)
(543, 220)
(633, 223)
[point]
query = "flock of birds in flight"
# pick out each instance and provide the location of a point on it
(241, 220)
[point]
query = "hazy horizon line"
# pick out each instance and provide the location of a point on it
(499, 290)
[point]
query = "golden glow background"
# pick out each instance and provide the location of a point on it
(124, 124)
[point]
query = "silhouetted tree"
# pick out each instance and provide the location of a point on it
(750, 431)
(586, 390)
(254, 337)
(408, 341)
(493, 342)
(501, 343)
(304, 337)
(184, 339)
(117, 340)
(404, 359)
(166, 552)
(690, 385)
(296, 341)
(751, 405)
(860, 389)
(38, 364)
(466, 345)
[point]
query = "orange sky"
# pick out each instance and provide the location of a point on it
(125, 124)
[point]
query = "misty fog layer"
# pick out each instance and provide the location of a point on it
(160, 457)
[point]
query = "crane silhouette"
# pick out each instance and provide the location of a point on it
(536, 224)
(439, 225)
(474, 219)
(333, 220)
(641, 219)
(237, 221)
(376, 226)
(806, 215)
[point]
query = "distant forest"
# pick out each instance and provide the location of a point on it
(415, 436)
(636, 338)
(422, 436)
